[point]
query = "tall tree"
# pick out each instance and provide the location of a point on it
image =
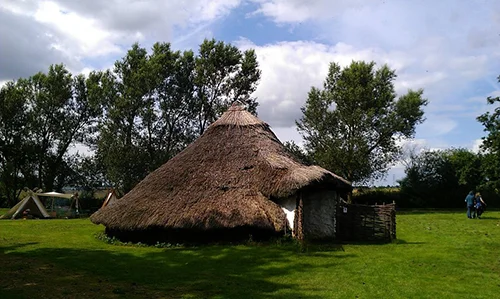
(13, 141)
(173, 100)
(124, 92)
(351, 125)
(40, 118)
(491, 142)
(158, 103)
(60, 115)
(223, 74)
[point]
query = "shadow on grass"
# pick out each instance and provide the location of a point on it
(486, 217)
(399, 241)
(203, 272)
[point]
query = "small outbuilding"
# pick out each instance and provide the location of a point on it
(236, 181)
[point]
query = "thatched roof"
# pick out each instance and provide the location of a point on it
(222, 180)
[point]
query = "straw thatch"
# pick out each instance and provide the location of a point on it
(222, 180)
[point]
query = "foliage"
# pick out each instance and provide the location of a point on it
(223, 74)
(298, 152)
(89, 202)
(433, 250)
(443, 178)
(134, 117)
(114, 241)
(491, 144)
(351, 125)
(41, 117)
(372, 196)
(158, 103)
(13, 141)
(62, 115)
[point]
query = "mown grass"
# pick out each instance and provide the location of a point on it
(437, 255)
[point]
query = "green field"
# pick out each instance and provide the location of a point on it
(437, 255)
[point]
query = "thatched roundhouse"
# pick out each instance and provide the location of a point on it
(235, 180)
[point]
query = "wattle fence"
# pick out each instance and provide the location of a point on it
(361, 223)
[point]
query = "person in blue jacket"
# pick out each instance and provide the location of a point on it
(470, 205)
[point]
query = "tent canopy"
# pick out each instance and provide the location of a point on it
(55, 194)
(30, 202)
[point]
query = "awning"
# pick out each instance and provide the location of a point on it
(55, 194)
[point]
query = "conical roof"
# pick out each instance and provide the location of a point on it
(224, 179)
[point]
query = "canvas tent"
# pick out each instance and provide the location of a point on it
(31, 202)
(50, 209)
(65, 208)
(111, 197)
(235, 180)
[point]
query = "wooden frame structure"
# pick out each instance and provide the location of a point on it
(362, 223)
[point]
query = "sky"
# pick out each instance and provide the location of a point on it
(450, 48)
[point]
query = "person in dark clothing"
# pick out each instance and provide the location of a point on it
(470, 205)
(480, 204)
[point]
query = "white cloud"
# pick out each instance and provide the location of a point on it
(210, 10)
(290, 69)
(439, 46)
(74, 31)
(288, 134)
(476, 145)
(83, 35)
(287, 11)
(436, 125)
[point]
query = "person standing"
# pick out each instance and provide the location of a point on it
(469, 199)
(480, 204)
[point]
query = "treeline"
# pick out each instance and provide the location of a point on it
(442, 179)
(134, 117)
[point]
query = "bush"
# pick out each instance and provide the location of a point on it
(387, 195)
(88, 202)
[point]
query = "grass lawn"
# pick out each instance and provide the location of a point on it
(437, 255)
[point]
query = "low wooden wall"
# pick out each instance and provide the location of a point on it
(366, 222)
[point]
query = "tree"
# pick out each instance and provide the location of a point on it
(173, 95)
(156, 104)
(60, 114)
(223, 74)
(40, 118)
(13, 141)
(125, 93)
(89, 173)
(491, 142)
(298, 152)
(351, 126)
(441, 179)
